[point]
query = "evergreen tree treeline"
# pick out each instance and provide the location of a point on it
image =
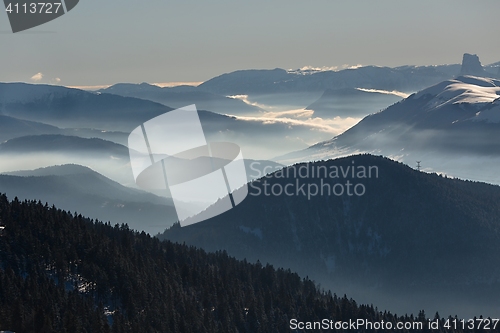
(61, 272)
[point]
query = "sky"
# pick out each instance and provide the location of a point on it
(158, 41)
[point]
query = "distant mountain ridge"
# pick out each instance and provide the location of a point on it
(66, 107)
(61, 143)
(176, 97)
(36, 151)
(280, 81)
(11, 127)
(112, 117)
(55, 170)
(453, 119)
(80, 189)
(403, 78)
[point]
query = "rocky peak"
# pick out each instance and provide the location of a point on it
(471, 65)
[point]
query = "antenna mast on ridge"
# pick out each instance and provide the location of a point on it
(418, 165)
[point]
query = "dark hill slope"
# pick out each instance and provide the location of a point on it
(412, 240)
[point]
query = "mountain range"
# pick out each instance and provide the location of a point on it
(67, 108)
(178, 97)
(451, 121)
(73, 112)
(11, 127)
(82, 190)
(405, 240)
(37, 151)
(404, 78)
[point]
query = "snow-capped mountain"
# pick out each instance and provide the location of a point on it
(475, 91)
(255, 82)
(404, 78)
(458, 119)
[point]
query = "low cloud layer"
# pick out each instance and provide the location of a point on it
(386, 92)
(298, 117)
(333, 126)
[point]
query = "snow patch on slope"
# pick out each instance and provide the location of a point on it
(490, 115)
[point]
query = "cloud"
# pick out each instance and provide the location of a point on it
(333, 126)
(393, 92)
(297, 117)
(299, 113)
(245, 99)
(37, 77)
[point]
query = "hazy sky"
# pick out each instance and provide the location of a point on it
(109, 41)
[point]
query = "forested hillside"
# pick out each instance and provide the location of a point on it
(61, 272)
